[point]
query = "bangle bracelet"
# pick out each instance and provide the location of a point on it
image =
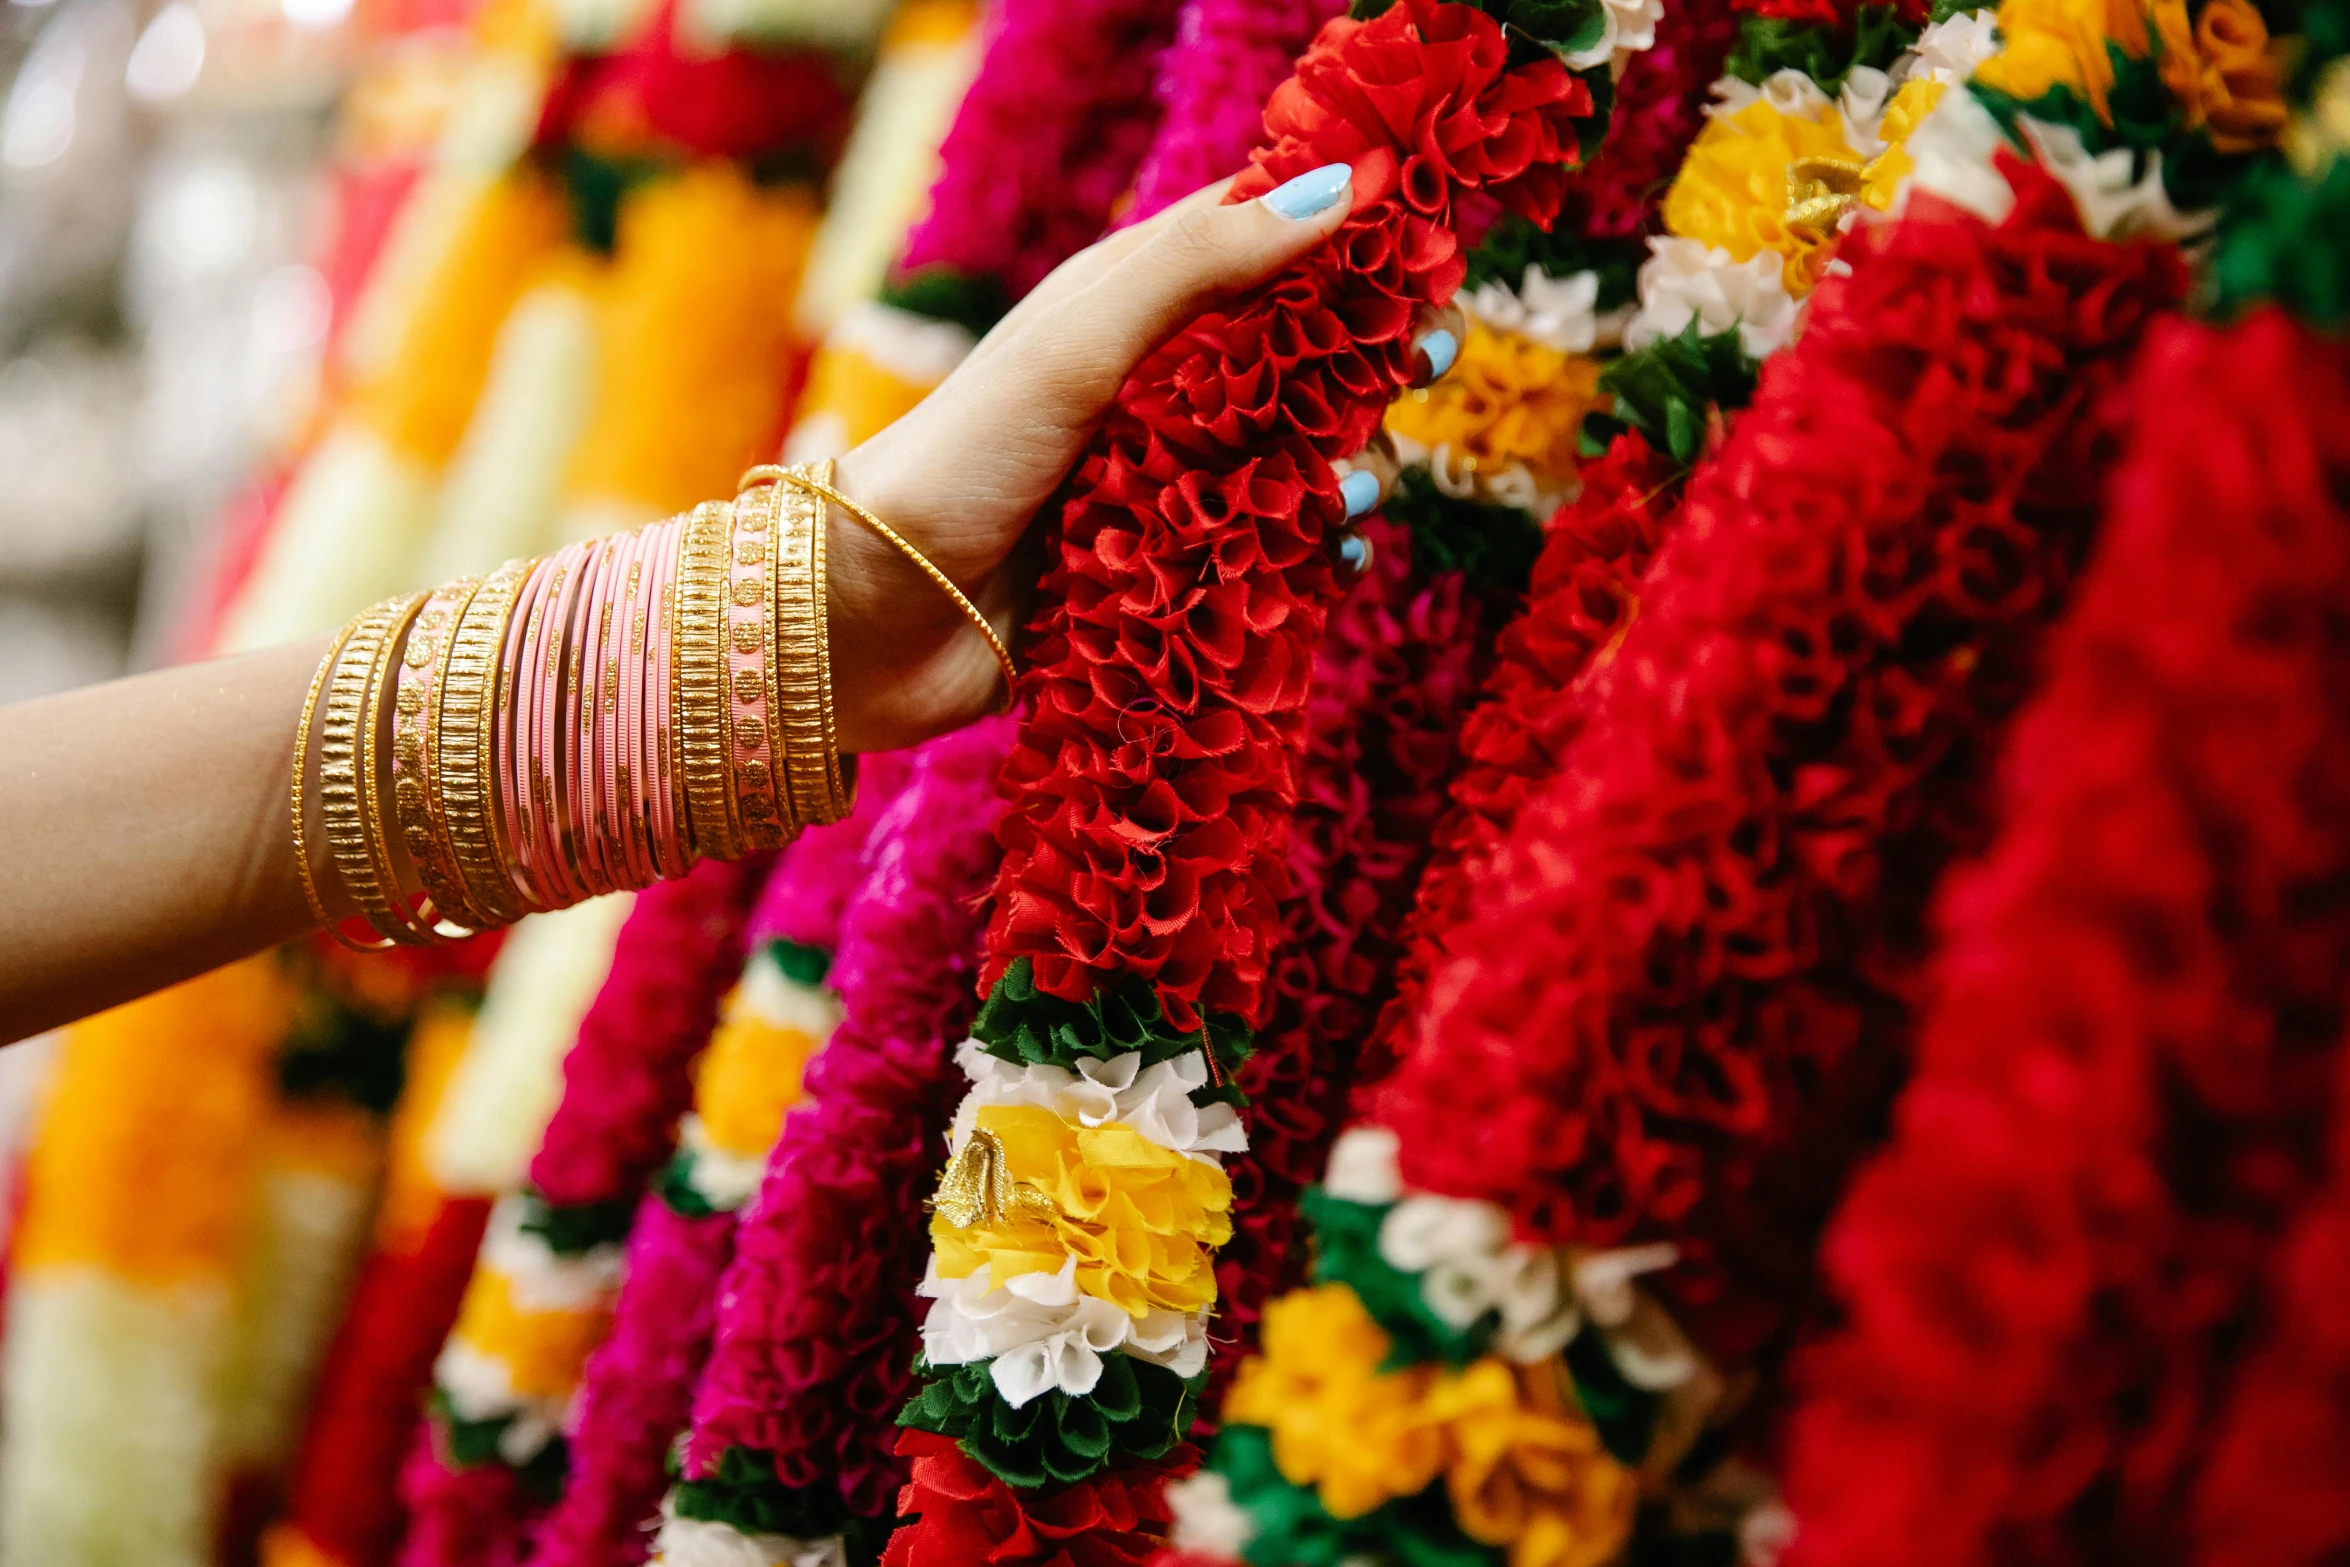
(341, 809)
(393, 914)
(803, 711)
(416, 720)
(751, 670)
(701, 678)
(464, 763)
(301, 778)
(804, 477)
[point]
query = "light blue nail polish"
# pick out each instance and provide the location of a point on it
(1360, 491)
(1309, 193)
(1354, 551)
(1442, 348)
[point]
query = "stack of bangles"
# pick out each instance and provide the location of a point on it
(593, 721)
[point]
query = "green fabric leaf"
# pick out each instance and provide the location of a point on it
(2146, 119)
(1346, 1251)
(801, 963)
(744, 1494)
(1295, 1530)
(1565, 25)
(1513, 244)
(675, 1184)
(943, 294)
(1944, 10)
(1825, 54)
(2282, 240)
(1664, 390)
(571, 1229)
(1493, 546)
(471, 1443)
(1624, 1415)
(1136, 1411)
(1022, 1024)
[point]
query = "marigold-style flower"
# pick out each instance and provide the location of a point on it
(2047, 44)
(2225, 71)
(1732, 190)
(1138, 1218)
(1508, 400)
(1528, 1471)
(1358, 1436)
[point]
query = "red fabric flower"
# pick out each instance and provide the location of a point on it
(1151, 787)
(963, 1516)
(2135, 1047)
(1681, 999)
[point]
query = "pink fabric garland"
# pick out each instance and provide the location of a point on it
(1047, 139)
(1227, 58)
(818, 1332)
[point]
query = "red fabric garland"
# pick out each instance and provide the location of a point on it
(1151, 786)
(1682, 998)
(963, 1515)
(2124, 1084)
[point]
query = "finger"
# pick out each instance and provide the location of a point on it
(1080, 270)
(1200, 251)
(1366, 479)
(1437, 336)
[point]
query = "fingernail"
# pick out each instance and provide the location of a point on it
(1354, 551)
(1442, 348)
(1309, 193)
(1360, 491)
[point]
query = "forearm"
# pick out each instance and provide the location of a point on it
(143, 827)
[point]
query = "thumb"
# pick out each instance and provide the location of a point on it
(1200, 251)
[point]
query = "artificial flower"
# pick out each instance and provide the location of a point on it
(1732, 192)
(1528, 1471)
(1508, 401)
(1040, 1334)
(959, 1514)
(2047, 44)
(1687, 282)
(1156, 1100)
(2225, 71)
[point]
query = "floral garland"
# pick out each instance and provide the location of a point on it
(542, 1292)
(790, 1444)
(1733, 1149)
(1150, 792)
(636, 1390)
(2134, 1060)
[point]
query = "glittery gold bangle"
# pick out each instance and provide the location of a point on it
(701, 681)
(464, 749)
(396, 919)
(341, 807)
(416, 723)
(803, 665)
(301, 779)
(759, 792)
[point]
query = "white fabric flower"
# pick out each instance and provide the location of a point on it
(723, 1179)
(2115, 201)
(1603, 1279)
(1044, 1335)
(1155, 1101)
(703, 1542)
(1789, 91)
(774, 997)
(1685, 280)
(1207, 1519)
(1560, 313)
(1861, 108)
(1362, 1166)
(1627, 27)
(1469, 1267)
(1953, 148)
(539, 1278)
(1949, 50)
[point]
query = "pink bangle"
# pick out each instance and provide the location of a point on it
(555, 745)
(584, 788)
(672, 852)
(519, 684)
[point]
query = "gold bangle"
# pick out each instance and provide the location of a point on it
(701, 680)
(416, 724)
(755, 746)
(341, 808)
(394, 918)
(301, 780)
(803, 477)
(803, 666)
(464, 749)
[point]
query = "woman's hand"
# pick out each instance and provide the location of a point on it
(962, 475)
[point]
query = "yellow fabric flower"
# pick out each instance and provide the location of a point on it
(1508, 400)
(1358, 1437)
(1732, 188)
(1141, 1220)
(747, 1080)
(2046, 44)
(1528, 1471)
(2225, 71)
(1908, 108)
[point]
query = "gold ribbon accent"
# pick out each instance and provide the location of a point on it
(978, 1187)
(1820, 190)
